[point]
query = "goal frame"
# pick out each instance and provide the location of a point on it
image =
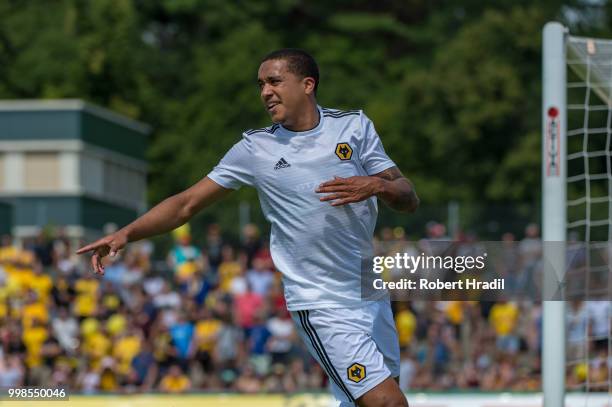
(554, 210)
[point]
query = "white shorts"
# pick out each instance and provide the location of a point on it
(357, 347)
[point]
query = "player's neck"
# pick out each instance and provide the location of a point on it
(307, 120)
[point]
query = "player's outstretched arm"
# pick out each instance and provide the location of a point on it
(389, 185)
(164, 217)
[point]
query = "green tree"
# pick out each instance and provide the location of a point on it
(453, 87)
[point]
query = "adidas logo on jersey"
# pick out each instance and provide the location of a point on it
(282, 163)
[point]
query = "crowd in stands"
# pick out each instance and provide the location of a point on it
(216, 320)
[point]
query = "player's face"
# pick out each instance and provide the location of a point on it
(283, 93)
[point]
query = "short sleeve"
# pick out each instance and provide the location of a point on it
(372, 154)
(235, 168)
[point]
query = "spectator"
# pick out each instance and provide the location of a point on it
(11, 372)
(34, 336)
(66, 329)
(96, 344)
(406, 325)
(598, 313)
(577, 329)
(251, 243)
(182, 335)
(228, 350)
(247, 381)
(282, 337)
(33, 309)
(125, 348)
(228, 269)
(86, 301)
(247, 305)
(135, 269)
(259, 277)
(43, 248)
(184, 252)
(408, 368)
(205, 337)
(144, 366)
(257, 340)
(166, 298)
(175, 381)
(89, 381)
(66, 261)
(109, 381)
(50, 352)
(214, 245)
(125, 336)
(504, 317)
(530, 249)
(115, 269)
(41, 283)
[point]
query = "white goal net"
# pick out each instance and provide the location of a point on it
(577, 137)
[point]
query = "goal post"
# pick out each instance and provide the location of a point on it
(576, 215)
(554, 172)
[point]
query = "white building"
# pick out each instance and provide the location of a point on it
(71, 164)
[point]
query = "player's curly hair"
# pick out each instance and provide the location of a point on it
(299, 62)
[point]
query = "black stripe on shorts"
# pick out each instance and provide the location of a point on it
(318, 347)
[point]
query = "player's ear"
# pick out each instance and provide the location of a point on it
(309, 85)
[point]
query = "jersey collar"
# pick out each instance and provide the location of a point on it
(314, 130)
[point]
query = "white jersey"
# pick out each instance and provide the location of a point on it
(317, 247)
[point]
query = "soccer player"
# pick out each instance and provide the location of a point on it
(318, 173)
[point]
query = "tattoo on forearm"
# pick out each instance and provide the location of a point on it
(403, 197)
(390, 174)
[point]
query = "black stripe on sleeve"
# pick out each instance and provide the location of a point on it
(338, 111)
(272, 129)
(341, 114)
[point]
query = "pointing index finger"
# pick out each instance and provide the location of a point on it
(89, 247)
(85, 249)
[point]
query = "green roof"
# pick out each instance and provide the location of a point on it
(72, 120)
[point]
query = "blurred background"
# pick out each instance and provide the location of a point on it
(110, 106)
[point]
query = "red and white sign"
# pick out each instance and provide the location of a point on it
(553, 143)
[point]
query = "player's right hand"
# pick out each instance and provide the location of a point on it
(110, 244)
